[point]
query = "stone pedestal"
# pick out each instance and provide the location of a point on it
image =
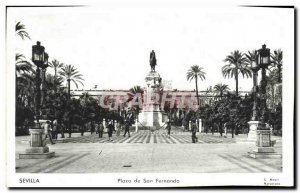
(151, 115)
(252, 135)
(151, 119)
(38, 148)
(264, 146)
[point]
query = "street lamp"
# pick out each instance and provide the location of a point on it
(44, 68)
(38, 55)
(263, 61)
(38, 148)
(255, 68)
(264, 145)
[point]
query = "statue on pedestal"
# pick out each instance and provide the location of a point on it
(152, 60)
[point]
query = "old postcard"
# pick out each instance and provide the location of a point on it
(110, 94)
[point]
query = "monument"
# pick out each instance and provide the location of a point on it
(151, 115)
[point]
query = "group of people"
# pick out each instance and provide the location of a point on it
(194, 130)
(110, 129)
(51, 130)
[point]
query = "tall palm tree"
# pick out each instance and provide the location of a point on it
(56, 65)
(221, 88)
(236, 65)
(70, 73)
(20, 31)
(196, 72)
(276, 59)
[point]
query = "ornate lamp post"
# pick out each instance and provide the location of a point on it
(255, 69)
(263, 61)
(264, 147)
(44, 68)
(38, 148)
(253, 124)
(38, 59)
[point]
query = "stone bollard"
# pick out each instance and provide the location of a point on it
(38, 148)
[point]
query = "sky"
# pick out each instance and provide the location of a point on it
(110, 46)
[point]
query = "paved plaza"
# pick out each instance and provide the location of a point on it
(150, 153)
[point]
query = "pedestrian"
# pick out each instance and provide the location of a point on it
(110, 129)
(54, 129)
(169, 129)
(47, 131)
(101, 128)
(92, 127)
(126, 129)
(194, 130)
(118, 129)
(225, 126)
(96, 128)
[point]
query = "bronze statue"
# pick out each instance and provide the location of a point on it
(152, 61)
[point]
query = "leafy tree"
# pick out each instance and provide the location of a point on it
(236, 64)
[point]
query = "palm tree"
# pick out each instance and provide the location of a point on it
(251, 56)
(221, 88)
(196, 72)
(56, 65)
(236, 64)
(24, 79)
(133, 92)
(22, 66)
(70, 73)
(20, 31)
(276, 59)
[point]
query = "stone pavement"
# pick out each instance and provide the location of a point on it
(148, 137)
(212, 154)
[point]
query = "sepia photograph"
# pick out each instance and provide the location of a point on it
(150, 95)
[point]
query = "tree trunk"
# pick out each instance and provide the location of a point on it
(69, 89)
(279, 74)
(196, 80)
(198, 102)
(236, 83)
(69, 127)
(55, 89)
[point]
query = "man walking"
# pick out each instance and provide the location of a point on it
(194, 130)
(110, 129)
(169, 129)
(126, 129)
(100, 129)
(54, 129)
(47, 130)
(119, 126)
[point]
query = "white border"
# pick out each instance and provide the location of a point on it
(89, 180)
